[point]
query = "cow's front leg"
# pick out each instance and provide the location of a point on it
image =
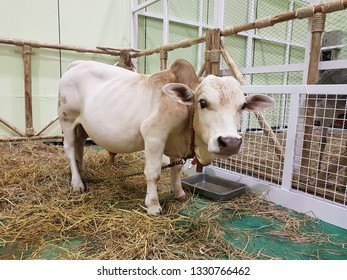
(153, 153)
(176, 185)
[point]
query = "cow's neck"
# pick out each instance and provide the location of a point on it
(193, 142)
(192, 131)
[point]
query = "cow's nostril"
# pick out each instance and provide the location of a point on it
(221, 143)
(229, 142)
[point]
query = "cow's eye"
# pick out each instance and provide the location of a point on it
(203, 103)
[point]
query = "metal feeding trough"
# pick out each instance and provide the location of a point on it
(213, 187)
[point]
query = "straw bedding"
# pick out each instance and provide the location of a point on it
(40, 218)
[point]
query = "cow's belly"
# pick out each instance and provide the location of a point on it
(113, 127)
(115, 141)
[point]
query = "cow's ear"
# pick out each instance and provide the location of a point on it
(180, 93)
(258, 102)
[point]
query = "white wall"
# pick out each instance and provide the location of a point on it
(87, 23)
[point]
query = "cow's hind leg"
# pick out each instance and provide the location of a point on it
(176, 185)
(111, 157)
(71, 151)
(81, 137)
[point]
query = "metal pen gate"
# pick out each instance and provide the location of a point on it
(275, 58)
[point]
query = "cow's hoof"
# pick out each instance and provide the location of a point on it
(154, 210)
(183, 198)
(78, 189)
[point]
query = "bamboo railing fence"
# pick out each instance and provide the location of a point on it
(214, 50)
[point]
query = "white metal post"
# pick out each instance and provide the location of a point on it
(166, 22)
(291, 141)
(249, 56)
(134, 30)
(250, 34)
(200, 57)
(283, 98)
(218, 21)
(139, 7)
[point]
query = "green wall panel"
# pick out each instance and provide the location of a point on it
(235, 13)
(83, 23)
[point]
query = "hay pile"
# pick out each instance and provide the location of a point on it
(40, 218)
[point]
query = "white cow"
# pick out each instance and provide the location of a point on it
(123, 111)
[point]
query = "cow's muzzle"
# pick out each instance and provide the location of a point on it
(229, 145)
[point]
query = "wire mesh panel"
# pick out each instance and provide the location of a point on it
(320, 156)
(185, 20)
(334, 42)
(260, 156)
(320, 167)
(281, 44)
(150, 35)
(269, 57)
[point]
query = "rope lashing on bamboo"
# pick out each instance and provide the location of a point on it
(305, 12)
(264, 22)
(333, 6)
(163, 54)
(212, 56)
(318, 23)
(27, 49)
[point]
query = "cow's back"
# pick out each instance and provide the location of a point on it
(82, 74)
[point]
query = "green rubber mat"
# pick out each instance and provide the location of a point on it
(315, 240)
(260, 236)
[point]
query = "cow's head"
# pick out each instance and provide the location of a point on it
(218, 105)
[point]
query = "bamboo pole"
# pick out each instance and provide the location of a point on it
(15, 129)
(31, 138)
(163, 60)
(46, 126)
(29, 130)
(37, 44)
(169, 47)
(125, 61)
(212, 54)
(305, 12)
(232, 65)
(214, 36)
(301, 13)
(317, 31)
(207, 63)
(202, 70)
(261, 119)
